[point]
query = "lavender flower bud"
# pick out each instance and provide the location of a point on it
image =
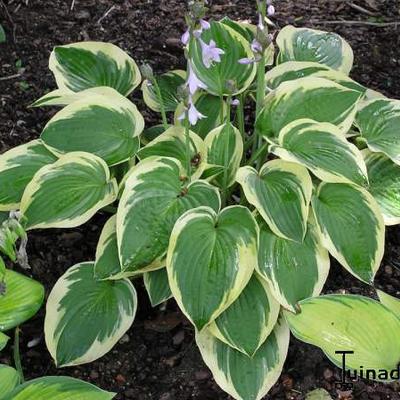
(271, 10)
(205, 24)
(235, 102)
(185, 37)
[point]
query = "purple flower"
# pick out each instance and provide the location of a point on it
(193, 82)
(235, 102)
(256, 46)
(194, 115)
(271, 10)
(205, 24)
(211, 53)
(246, 61)
(185, 37)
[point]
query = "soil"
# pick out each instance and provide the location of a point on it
(158, 358)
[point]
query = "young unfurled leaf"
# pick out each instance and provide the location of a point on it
(315, 98)
(168, 84)
(379, 121)
(323, 150)
(281, 192)
(17, 168)
(304, 44)
(157, 286)
(210, 260)
(68, 193)
(172, 143)
(384, 185)
(349, 323)
(225, 148)
(156, 194)
(85, 317)
(83, 65)
(235, 47)
(21, 300)
(246, 324)
(104, 125)
(241, 376)
(352, 227)
(294, 270)
(60, 388)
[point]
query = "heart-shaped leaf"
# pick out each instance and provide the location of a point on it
(157, 286)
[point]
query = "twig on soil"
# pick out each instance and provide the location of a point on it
(361, 9)
(6, 78)
(105, 15)
(9, 17)
(72, 5)
(368, 23)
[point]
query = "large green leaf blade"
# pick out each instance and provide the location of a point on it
(379, 121)
(17, 168)
(157, 286)
(316, 98)
(156, 194)
(384, 185)
(294, 270)
(391, 302)
(58, 388)
(349, 323)
(9, 380)
(323, 150)
(248, 321)
(281, 192)
(22, 299)
(352, 227)
(211, 258)
(83, 65)
(246, 378)
(235, 47)
(104, 125)
(68, 193)
(305, 44)
(85, 317)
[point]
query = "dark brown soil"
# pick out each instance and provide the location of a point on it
(158, 359)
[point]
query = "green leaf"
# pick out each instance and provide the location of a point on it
(242, 377)
(207, 105)
(323, 150)
(9, 380)
(318, 394)
(379, 121)
(314, 98)
(246, 324)
(85, 318)
(104, 125)
(225, 148)
(68, 193)
(3, 340)
(352, 227)
(22, 299)
(156, 194)
(168, 84)
(304, 44)
(295, 271)
(172, 143)
(152, 133)
(58, 388)
(83, 65)
(392, 303)
(157, 286)
(349, 323)
(17, 168)
(281, 193)
(210, 260)
(384, 185)
(107, 262)
(235, 47)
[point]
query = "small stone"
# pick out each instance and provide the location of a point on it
(166, 396)
(125, 339)
(287, 382)
(328, 374)
(202, 375)
(178, 338)
(94, 374)
(120, 379)
(388, 270)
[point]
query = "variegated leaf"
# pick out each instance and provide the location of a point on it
(243, 377)
(85, 317)
(323, 150)
(68, 193)
(352, 227)
(156, 194)
(83, 65)
(17, 168)
(281, 192)
(392, 303)
(210, 260)
(157, 286)
(246, 324)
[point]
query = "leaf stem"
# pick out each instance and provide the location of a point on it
(17, 356)
(161, 101)
(221, 111)
(257, 156)
(240, 116)
(187, 145)
(226, 158)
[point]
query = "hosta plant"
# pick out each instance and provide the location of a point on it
(267, 160)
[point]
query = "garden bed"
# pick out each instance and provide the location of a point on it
(158, 358)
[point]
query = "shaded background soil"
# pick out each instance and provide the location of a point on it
(158, 358)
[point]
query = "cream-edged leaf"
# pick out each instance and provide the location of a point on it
(157, 286)
(210, 260)
(68, 193)
(86, 317)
